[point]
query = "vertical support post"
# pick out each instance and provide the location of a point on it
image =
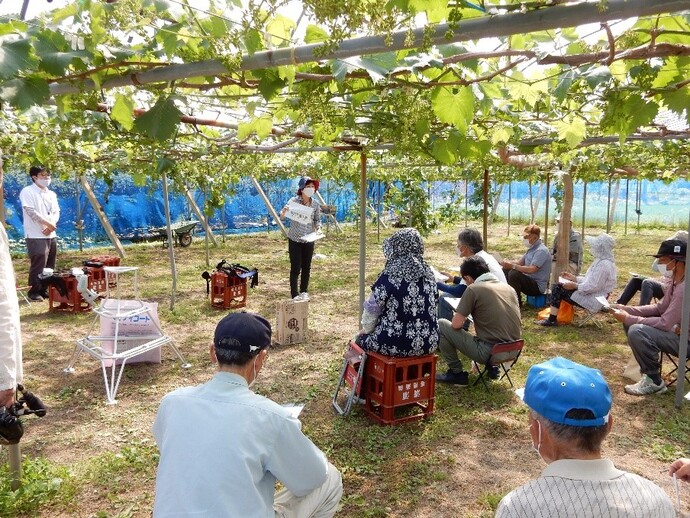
(378, 211)
(100, 213)
(627, 198)
(269, 205)
(208, 231)
(485, 228)
(684, 321)
(171, 252)
(584, 208)
(546, 208)
(362, 227)
(510, 199)
(79, 223)
(14, 457)
(608, 208)
(466, 202)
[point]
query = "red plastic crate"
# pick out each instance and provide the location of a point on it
(106, 260)
(72, 301)
(97, 276)
(228, 292)
(399, 389)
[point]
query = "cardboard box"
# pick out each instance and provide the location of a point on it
(291, 327)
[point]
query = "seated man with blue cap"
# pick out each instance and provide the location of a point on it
(569, 418)
(223, 447)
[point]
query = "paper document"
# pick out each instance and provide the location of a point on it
(313, 236)
(438, 275)
(602, 300)
(497, 256)
(563, 280)
(299, 213)
(453, 301)
(294, 408)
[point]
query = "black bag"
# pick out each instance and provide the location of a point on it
(233, 270)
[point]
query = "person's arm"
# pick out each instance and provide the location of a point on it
(456, 290)
(36, 217)
(10, 330)
(371, 312)
(296, 461)
(597, 276)
(540, 259)
(463, 310)
(663, 315)
(681, 468)
(317, 216)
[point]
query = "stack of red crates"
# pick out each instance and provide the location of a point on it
(228, 291)
(72, 301)
(97, 274)
(405, 385)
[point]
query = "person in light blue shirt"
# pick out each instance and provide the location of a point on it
(530, 274)
(223, 447)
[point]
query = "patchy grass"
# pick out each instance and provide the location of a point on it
(459, 462)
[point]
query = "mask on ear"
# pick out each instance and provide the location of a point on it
(308, 191)
(665, 271)
(537, 448)
(43, 182)
(526, 243)
(255, 373)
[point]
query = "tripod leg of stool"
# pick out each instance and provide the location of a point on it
(14, 456)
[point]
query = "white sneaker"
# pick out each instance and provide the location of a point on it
(303, 296)
(645, 386)
(297, 298)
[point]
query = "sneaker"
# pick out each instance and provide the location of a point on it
(35, 297)
(303, 296)
(547, 323)
(297, 298)
(454, 378)
(645, 386)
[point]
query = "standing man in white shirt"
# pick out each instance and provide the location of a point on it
(223, 447)
(41, 214)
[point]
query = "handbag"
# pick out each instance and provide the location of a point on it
(565, 313)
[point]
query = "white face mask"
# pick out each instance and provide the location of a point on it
(526, 243)
(537, 448)
(663, 270)
(43, 182)
(255, 373)
(308, 191)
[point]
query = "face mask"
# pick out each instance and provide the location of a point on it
(458, 251)
(538, 446)
(43, 182)
(254, 377)
(526, 243)
(308, 191)
(663, 269)
(655, 265)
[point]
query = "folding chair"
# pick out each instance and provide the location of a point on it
(350, 375)
(501, 354)
(21, 291)
(590, 317)
(672, 376)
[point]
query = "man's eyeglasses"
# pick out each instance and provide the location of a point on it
(44, 174)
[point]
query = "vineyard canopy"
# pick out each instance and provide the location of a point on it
(210, 92)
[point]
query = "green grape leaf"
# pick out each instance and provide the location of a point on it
(253, 41)
(443, 151)
(122, 111)
(454, 106)
(572, 130)
(52, 51)
(25, 92)
(315, 34)
(161, 121)
(279, 30)
(15, 56)
(501, 135)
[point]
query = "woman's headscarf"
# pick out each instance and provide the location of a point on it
(403, 252)
(601, 246)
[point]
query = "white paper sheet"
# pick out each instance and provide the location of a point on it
(313, 236)
(299, 213)
(438, 275)
(294, 408)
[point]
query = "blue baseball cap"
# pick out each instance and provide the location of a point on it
(557, 386)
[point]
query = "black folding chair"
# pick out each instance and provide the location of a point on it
(503, 356)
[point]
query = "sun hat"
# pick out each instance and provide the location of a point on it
(559, 385)
(242, 332)
(303, 181)
(674, 248)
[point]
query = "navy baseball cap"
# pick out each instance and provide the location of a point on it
(559, 385)
(243, 332)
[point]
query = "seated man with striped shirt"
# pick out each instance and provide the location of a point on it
(569, 418)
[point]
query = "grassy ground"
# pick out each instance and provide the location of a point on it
(87, 458)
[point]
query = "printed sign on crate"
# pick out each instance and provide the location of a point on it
(291, 327)
(145, 325)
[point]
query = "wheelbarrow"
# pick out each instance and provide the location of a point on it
(181, 231)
